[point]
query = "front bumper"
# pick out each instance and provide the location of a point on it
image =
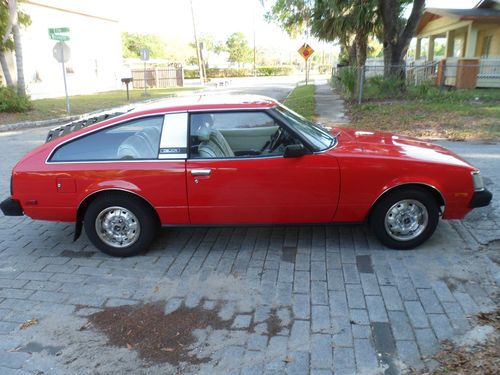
(11, 207)
(480, 199)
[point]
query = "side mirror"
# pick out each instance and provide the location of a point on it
(294, 151)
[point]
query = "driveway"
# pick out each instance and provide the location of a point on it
(295, 300)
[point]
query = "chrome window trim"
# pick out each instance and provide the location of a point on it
(56, 147)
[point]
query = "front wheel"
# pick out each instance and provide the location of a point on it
(119, 225)
(405, 219)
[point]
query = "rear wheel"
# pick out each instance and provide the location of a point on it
(405, 219)
(120, 225)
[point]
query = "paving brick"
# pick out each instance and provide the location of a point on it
(335, 280)
(333, 261)
(429, 301)
(343, 358)
(457, 317)
(320, 319)
(60, 268)
(391, 298)
(468, 305)
(47, 296)
(41, 276)
(86, 299)
(426, 341)
(319, 293)
(301, 306)
(301, 282)
(48, 286)
(361, 331)
(7, 327)
(257, 342)
(286, 272)
(342, 335)
(338, 303)
(409, 354)
(15, 293)
(300, 336)
(376, 309)
(318, 271)
(401, 328)
(114, 302)
(370, 284)
(442, 291)
(299, 363)
(359, 316)
(406, 289)
(321, 351)
(366, 359)
(418, 318)
(241, 321)
(68, 278)
(351, 275)
(441, 325)
(355, 297)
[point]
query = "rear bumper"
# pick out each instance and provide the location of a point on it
(11, 207)
(480, 199)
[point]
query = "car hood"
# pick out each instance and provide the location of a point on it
(386, 144)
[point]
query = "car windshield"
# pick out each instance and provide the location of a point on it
(318, 136)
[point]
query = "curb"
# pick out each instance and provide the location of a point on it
(63, 120)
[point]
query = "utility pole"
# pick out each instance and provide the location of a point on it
(198, 53)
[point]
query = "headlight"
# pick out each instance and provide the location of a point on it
(477, 180)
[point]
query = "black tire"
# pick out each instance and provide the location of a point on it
(421, 202)
(140, 217)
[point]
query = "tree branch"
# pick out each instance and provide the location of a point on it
(411, 24)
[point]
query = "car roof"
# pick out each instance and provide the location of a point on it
(205, 102)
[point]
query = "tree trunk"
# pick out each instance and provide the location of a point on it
(352, 51)
(395, 39)
(21, 86)
(5, 69)
(361, 43)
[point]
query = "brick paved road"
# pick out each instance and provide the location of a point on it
(345, 304)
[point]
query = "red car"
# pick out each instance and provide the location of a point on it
(236, 160)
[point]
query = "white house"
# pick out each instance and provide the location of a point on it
(95, 43)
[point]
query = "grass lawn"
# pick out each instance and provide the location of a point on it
(457, 115)
(301, 100)
(56, 107)
(458, 121)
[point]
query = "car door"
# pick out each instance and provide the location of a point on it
(255, 184)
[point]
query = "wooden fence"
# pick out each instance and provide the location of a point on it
(158, 77)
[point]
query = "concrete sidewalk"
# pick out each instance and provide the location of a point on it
(329, 105)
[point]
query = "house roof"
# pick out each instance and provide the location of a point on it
(483, 11)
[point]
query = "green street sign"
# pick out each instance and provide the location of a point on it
(55, 34)
(59, 30)
(61, 38)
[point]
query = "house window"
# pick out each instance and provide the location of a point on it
(485, 50)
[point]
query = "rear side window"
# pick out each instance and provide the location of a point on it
(133, 140)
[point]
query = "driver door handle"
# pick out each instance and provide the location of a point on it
(201, 172)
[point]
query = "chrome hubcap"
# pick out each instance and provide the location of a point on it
(117, 227)
(406, 220)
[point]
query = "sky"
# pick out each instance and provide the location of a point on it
(171, 19)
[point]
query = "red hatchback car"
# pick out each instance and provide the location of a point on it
(236, 160)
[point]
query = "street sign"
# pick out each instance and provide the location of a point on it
(144, 52)
(58, 34)
(59, 30)
(61, 52)
(305, 51)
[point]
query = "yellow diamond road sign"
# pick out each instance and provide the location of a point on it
(305, 51)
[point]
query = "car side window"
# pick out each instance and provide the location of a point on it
(133, 140)
(237, 135)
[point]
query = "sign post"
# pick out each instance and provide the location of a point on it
(306, 51)
(144, 52)
(61, 53)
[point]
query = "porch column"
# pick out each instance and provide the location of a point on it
(430, 50)
(450, 41)
(418, 49)
(471, 42)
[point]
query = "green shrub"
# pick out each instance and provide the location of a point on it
(346, 80)
(10, 101)
(384, 87)
(283, 70)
